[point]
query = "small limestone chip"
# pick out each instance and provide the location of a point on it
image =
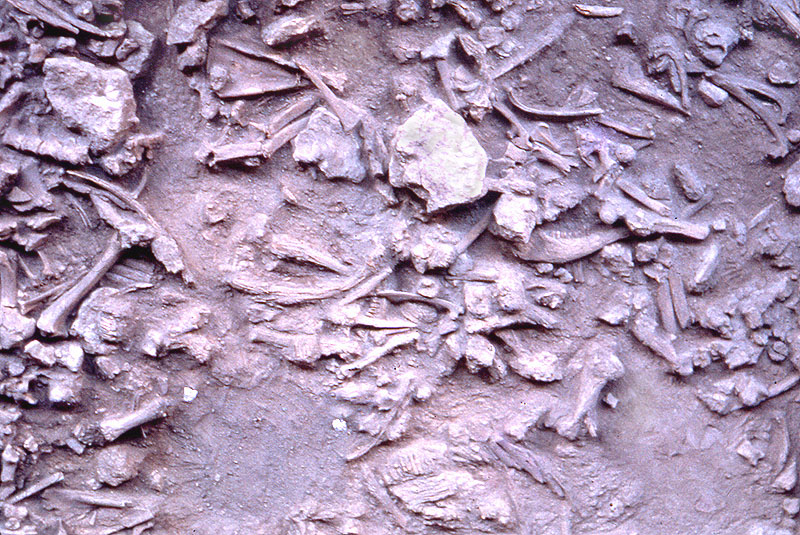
(791, 185)
(288, 29)
(192, 18)
(325, 143)
(538, 366)
(711, 94)
(436, 154)
(98, 101)
(117, 464)
(515, 217)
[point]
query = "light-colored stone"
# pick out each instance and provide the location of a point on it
(325, 143)
(98, 101)
(436, 154)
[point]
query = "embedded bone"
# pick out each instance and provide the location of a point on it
(113, 427)
(53, 320)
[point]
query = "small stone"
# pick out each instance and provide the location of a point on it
(793, 136)
(41, 353)
(791, 506)
(117, 464)
(711, 94)
(786, 480)
(491, 36)
(479, 353)
(98, 101)
(408, 10)
(781, 73)
(189, 394)
(339, 425)
(325, 143)
(289, 29)
(541, 366)
(791, 185)
(618, 258)
(437, 155)
(611, 400)
(691, 185)
(70, 355)
(192, 18)
(750, 452)
(64, 388)
(134, 53)
(646, 252)
(515, 217)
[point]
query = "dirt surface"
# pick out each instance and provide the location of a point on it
(409, 266)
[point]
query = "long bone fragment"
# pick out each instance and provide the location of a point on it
(598, 11)
(114, 427)
(553, 113)
(287, 115)
(781, 148)
(35, 488)
(645, 132)
(349, 114)
(53, 320)
(529, 50)
(396, 341)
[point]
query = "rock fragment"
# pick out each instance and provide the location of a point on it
(289, 29)
(192, 18)
(791, 185)
(436, 154)
(711, 94)
(325, 143)
(98, 101)
(117, 464)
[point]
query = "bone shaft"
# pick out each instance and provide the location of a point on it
(54, 318)
(290, 113)
(8, 280)
(36, 488)
(113, 428)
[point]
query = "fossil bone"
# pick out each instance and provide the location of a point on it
(53, 320)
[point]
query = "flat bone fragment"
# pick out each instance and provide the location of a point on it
(601, 367)
(286, 294)
(647, 332)
(598, 11)
(236, 75)
(787, 14)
